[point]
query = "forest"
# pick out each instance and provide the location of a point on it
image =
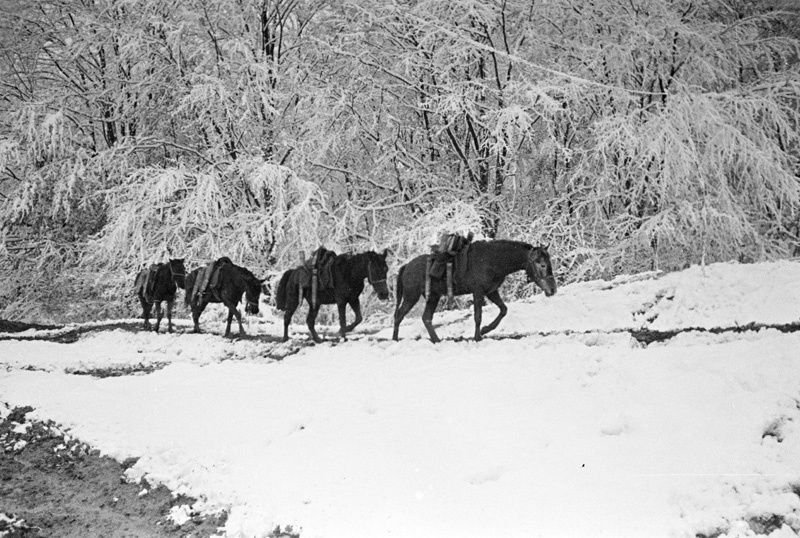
(627, 135)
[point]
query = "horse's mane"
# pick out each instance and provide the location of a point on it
(247, 273)
(512, 242)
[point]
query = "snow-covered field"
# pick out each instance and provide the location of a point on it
(570, 428)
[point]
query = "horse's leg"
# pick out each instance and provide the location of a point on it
(145, 312)
(233, 311)
(355, 304)
(496, 299)
(342, 307)
(197, 309)
(427, 315)
(159, 315)
(170, 302)
(287, 319)
(239, 319)
(292, 302)
(311, 319)
(403, 307)
(477, 303)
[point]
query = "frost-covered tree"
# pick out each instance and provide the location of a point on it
(628, 134)
(681, 145)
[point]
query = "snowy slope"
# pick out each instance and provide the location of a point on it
(570, 428)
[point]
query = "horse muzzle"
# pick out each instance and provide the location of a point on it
(548, 286)
(381, 290)
(251, 308)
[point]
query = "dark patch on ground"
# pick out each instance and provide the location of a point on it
(63, 336)
(51, 486)
(644, 336)
(648, 336)
(117, 371)
(7, 326)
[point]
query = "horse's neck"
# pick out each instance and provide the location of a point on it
(358, 265)
(242, 277)
(511, 258)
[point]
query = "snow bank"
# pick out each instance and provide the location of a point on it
(558, 435)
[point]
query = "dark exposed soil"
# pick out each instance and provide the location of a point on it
(53, 487)
(7, 326)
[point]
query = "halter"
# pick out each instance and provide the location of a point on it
(369, 275)
(534, 269)
(248, 301)
(173, 273)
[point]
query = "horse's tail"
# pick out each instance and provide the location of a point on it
(187, 297)
(283, 287)
(399, 291)
(138, 283)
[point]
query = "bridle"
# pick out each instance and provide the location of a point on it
(369, 275)
(534, 269)
(253, 304)
(173, 273)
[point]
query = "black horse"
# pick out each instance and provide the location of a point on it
(348, 273)
(159, 282)
(227, 288)
(488, 263)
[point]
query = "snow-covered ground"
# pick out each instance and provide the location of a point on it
(570, 428)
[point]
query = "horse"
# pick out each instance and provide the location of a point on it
(488, 263)
(232, 282)
(159, 282)
(348, 273)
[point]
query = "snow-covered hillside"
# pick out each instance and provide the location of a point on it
(562, 424)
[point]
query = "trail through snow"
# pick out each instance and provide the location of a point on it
(578, 432)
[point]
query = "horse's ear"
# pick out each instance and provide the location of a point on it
(385, 253)
(261, 281)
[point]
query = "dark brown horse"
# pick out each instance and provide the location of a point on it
(348, 273)
(159, 282)
(488, 263)
(227, 288)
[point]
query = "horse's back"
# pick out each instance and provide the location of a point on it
(412, 274)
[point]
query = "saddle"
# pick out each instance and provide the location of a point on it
(322, 261)
(146, 281)
(447, 261)
(208, 277)
(452, 248)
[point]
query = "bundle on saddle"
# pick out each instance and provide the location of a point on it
(317, 272)
(146, 281)
(448, 258)
(208, 279)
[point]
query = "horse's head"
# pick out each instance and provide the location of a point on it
(540, 271)
(252, 294)
(178, 271)
(376, 273)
